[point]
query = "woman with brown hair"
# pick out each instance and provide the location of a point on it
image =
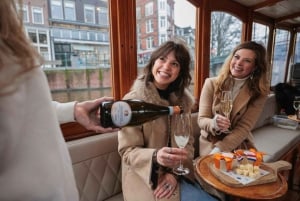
(149, 152)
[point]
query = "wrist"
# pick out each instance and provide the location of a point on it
(154, 157)
(75, 110)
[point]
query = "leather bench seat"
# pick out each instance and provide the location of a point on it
(97, 167)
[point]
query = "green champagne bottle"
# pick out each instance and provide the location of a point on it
(132, 112)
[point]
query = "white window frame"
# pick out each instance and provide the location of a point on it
(57, 3)
(25, 13)
(163, 22)
(149, 9)
(150, 42)
(149, 26)
(70, 5)
(103, 13)
(162, 5)
(92, 9)
(37, 10)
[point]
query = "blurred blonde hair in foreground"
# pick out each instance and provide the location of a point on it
(17, 55)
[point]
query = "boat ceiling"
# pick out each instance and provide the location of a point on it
(284, 12)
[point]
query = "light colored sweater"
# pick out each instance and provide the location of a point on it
(34, 161)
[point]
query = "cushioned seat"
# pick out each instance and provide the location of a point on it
(275, 141)
(97, 167)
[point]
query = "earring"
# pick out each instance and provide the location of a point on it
(251, 76)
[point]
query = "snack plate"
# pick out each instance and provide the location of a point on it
(268, 173)
(293, 117)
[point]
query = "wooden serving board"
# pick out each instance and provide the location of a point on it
(272, 168)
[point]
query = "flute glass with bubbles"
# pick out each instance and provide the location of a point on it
(296, 105)
(226, 105)
(182, 131)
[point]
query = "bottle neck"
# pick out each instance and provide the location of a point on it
(175, 110)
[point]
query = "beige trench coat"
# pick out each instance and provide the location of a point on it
(137, 144)
(243, 117)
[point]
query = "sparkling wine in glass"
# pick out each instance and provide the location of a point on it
(182, 130)
(296, 105)
(226, 104)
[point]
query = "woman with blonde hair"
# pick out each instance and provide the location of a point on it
(246, 74)
(35, 163)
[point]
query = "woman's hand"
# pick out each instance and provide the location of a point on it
(171, 156)
(222, 123)
(166, 186)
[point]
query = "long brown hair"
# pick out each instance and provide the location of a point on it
(15, 47)
(182, 55)
(259, 84)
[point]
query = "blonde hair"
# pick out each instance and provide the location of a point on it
(259, 83)
(17, 55)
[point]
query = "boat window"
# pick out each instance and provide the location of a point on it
(225, 35)
(282, 39)
(163, 20)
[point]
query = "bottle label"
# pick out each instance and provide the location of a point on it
(121, 113)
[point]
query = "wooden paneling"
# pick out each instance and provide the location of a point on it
(123, 45)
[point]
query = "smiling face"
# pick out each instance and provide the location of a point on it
(165, 70)
(242, 63)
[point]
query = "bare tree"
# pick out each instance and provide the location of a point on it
(225, 33)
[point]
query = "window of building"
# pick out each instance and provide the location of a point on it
(25, 13)
(66, 33)
(32, 35)
(43, 39)
(75, 34)
(83, 35)
(37, 15)
(149, 9)
(138, 13)
(102, 16)
(69, 8)
(149, 26)
(56, 33)
(56, 9)
(224, 36)
(92, 36)
(89, 14)
(163, 22)
(162, 5)
(150, 42)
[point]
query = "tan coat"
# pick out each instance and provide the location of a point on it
(137, 144)
(243, 117)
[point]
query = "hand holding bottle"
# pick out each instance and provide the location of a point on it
(87, 114)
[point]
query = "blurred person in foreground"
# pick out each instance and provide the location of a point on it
(35, 163)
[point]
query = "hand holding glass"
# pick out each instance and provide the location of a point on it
(226, 104)
(182, 130)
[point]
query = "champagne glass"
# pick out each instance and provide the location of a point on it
(296, 105)
(182, 130)
(226, 105)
